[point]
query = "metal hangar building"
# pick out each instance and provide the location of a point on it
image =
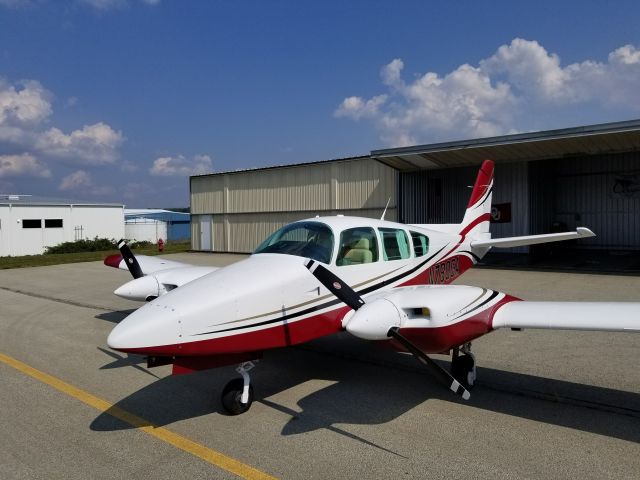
(544, 181)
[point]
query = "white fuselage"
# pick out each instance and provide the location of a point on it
(267, 300)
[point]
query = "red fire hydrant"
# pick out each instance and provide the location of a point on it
(160, 245)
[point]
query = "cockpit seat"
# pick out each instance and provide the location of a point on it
(359, 253)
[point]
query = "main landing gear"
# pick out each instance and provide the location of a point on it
(463, 365)
(237, 395)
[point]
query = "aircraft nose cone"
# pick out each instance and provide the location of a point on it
(148, 328)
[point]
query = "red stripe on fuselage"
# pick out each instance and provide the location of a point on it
(441, 273)
(285, 335)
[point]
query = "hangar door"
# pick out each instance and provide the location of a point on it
(599, 192)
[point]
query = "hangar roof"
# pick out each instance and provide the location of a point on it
(289, 165)
(586, 140)
(156, 214)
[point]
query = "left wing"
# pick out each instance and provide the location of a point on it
(603, 316)
(152, 276)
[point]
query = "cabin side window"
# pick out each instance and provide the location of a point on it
(395, 244)
(357, 246)
(420, 243)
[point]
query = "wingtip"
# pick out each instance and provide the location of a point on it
(113, 260)
(585, 232)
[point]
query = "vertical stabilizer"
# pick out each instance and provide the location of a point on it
(478, 213)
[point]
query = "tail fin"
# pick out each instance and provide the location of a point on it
(478, 213)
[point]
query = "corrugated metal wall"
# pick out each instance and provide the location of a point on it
(599, 192)
(441, 196)
(247, 206)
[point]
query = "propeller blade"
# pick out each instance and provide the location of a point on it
(130, 260)
(436, 369)
(336, 286)
(351, 298)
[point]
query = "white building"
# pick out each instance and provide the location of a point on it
(138, 228)
(152, 224)
(29, 224)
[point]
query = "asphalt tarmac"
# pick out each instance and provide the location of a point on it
(547, 404)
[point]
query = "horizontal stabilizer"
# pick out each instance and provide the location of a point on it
(604, 316)
(581, 232)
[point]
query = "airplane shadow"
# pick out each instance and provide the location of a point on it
(361, 393)
(115, 316)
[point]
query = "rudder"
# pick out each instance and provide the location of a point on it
(478, 213)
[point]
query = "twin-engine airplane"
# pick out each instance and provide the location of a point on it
(378, 280)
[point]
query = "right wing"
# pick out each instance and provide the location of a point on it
(148, 264)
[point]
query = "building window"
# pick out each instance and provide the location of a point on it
(53, 223)
(395, 245)
(32, 223)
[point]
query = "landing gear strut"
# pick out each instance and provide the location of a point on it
(237, 395)
(463, 365)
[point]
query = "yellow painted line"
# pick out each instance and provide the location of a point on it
(183, 443)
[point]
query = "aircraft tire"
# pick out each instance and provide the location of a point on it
(231, 395)
(461, 367)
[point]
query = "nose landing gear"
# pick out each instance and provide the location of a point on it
(237, 395)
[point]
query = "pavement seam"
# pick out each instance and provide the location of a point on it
(55, 299)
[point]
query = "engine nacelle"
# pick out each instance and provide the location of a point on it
(429, 306)
(141, 289)
(373, 320)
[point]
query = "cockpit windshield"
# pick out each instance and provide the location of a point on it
(304, 239)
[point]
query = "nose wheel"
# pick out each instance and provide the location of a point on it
(237, 395)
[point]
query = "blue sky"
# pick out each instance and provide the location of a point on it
(120, 100)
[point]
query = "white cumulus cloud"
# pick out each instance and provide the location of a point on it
(22, 165)
(81, 181)
(25, 110)
(93, 144)
(182, 166)
(501, 94)
(26, 105)
(77, 180)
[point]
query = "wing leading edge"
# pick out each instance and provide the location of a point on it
(595, 316)
(581, 232)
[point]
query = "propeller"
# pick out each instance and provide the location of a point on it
(130, 259)
(353, 300)
(336, 286)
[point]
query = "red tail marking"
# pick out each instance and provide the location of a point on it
(485, 217)
(483, 180)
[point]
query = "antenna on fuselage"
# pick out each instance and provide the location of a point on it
(385, 209)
